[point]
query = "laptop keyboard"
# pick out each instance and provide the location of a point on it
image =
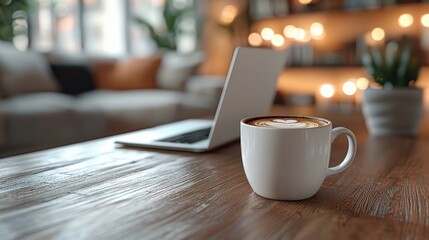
(190, 137)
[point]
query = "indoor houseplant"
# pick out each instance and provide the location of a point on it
(395, 105)
(166, 37)
(178, 63)
(10, 10)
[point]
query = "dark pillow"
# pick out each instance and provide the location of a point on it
(74, 79)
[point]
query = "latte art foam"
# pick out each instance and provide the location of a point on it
(295, 122)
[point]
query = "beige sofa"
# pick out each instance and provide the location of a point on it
(37, 111)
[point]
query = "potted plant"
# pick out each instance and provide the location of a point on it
(9, 12)
(166, 38)
(177, 65)
(395, 107)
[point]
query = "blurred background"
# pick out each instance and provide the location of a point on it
(315, 33)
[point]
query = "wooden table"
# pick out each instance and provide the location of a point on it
(96, 190)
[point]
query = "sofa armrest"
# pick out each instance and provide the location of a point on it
(209, 86)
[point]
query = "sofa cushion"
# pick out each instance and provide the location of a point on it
(129, 74)
(49, 118)
(38, 118)
(23, 72)
(176, 68)
(134, 109)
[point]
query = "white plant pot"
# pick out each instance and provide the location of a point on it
(396, 111)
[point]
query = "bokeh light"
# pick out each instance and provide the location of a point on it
(362, 83)
(327, 90)
(278, 40)
(425, 20)
(255, 39)
(377, 34)
(349, 88)
(405, 20)
(267, 33)
(305, 2)
(289, 31)
(317, 30)
(228, 14)
(301, 35)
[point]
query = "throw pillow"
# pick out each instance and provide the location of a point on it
(176, 69)
(24, 72)
(129, 74)
(74, 79)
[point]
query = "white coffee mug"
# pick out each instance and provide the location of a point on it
(290, 163)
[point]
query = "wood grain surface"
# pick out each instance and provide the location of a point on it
(97, 190)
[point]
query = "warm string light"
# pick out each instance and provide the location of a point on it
(425, 20)
(377, 34)
(267, 34)
(305, 2)
(362, 83)
(228, 14)
(289, 31)
(301, 35)
(317, 30)
(349, 88)
(405, 20)
(255, 40)
(278, 40)
(327, 90)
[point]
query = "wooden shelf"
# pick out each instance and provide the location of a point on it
(347, 29)
(307, 80)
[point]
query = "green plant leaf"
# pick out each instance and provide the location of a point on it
(7, 10)
(392, 65)
(172, 16)
(390, 53)
(404, 59)
(377, 57)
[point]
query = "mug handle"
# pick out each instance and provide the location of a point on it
(351, 152)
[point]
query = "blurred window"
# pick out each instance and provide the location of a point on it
(102, 27)
(56, 26)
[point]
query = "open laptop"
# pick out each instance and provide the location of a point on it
(249, 90)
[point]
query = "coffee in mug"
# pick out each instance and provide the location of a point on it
(287, 122)
(287, 157)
